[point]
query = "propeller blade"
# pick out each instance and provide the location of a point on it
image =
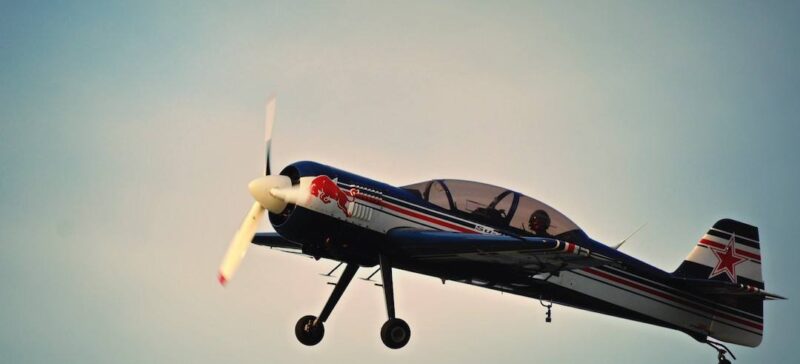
(268, 131)
(240, 243)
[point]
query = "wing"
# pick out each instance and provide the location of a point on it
(274, 240)
(534, 255)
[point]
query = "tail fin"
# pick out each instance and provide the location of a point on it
(726, 264)
(728, 252)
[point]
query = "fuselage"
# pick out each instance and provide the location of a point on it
(346, 217)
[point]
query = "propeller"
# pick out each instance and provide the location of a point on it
(269, 192)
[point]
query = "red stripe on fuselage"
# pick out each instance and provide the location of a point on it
(637, 286)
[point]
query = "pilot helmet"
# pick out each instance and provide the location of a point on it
(539, 221)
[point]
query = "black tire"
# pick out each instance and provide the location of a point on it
(308, 333)
(395, 333)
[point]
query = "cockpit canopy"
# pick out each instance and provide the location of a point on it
(495, 206)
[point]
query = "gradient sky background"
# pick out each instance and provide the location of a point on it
(129, 132)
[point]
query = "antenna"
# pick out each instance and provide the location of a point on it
(616, 247)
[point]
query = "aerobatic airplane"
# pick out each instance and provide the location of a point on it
(500, 239)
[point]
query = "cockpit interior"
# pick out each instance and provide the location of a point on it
(496, 207)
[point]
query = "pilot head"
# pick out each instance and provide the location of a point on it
(539, 222)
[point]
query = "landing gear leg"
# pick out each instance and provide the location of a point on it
(309, 329)
(395, 333)
(722, 350)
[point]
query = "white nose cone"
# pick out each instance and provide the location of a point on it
(260, 190)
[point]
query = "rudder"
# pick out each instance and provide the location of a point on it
(730, 254)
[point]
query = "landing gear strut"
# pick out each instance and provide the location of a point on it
(395, 332)
(309, 329)
(722, 350)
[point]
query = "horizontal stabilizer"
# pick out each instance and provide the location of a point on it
(727, 288)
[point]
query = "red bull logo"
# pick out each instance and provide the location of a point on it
(324, 188)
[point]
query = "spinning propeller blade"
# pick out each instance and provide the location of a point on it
(240, 243)
(261, 189)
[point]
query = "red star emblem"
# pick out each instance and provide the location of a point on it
(727, 260)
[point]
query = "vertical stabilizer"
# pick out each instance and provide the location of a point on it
(730, 255)
(729, 252)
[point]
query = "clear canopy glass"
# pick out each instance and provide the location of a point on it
(495, 206)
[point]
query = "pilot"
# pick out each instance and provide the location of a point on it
(539, 222)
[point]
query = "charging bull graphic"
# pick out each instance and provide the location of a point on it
(324, 188)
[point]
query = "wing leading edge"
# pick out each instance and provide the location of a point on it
(274, 240)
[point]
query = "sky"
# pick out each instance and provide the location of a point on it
(129, 132)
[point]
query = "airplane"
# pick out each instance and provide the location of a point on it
(496, 238)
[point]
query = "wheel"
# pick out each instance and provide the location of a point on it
(308, 333)
(724, 361)
(395, 333)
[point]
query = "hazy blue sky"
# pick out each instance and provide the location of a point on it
(129, 131)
